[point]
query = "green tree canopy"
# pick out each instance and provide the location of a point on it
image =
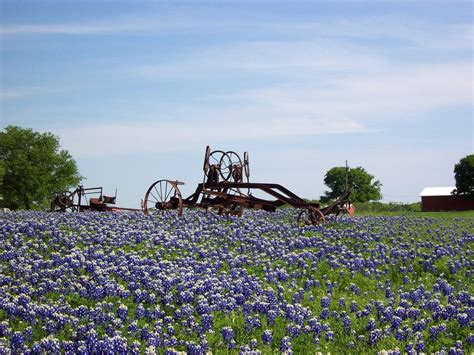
(464, 175)
(360, 183)
(34, 167)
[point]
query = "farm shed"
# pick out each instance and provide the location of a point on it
(441, 199)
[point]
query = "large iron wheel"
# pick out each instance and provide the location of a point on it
(214, 159)
(161, 196)
(311, 215)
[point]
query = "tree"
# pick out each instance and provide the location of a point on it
(2, 174)
(360, 183)
(34, 168)
(464, 176)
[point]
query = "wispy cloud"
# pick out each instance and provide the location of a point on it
(359, 102)
(135, 23)
(381, 95)
(119, 25)
(329, 50)
(72, 29)
(409, 31)
(326, 77)
(19, 93)
(146, 137)
(300, 58)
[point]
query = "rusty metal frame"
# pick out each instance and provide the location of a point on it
(66, 200)
(227, 195)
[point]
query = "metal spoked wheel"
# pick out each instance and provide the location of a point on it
(207, 155)
(228, 162)
(163, 195)
(246, 165)
(214, 159)
(310, 216)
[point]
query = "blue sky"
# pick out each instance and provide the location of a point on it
(136, 90)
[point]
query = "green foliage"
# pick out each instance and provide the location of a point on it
(391, 207)
(2, 174)
(33, 168)
(464, 175)
(360, 182)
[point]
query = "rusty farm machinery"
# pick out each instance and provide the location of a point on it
(226, 186)
(78, 200)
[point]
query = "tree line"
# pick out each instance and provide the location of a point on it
(33, 167)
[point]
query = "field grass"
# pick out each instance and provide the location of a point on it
(441, 214)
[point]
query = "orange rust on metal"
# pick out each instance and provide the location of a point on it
(223, 187)
(77, 200)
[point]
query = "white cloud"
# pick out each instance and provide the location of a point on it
(70, 29)
(286, 59)
(333, 106)
(146, 137)
(327, 84)
(117, 26)
(10, 94)
(410, 91)
(326, 79)
(408, 32)
(18, 93)
(337, 46)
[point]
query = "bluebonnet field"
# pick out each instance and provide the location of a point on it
(128, 283)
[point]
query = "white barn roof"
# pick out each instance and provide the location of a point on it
(437, 191)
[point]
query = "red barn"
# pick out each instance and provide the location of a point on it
(441, 199)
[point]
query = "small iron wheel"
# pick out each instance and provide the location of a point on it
(161, 196)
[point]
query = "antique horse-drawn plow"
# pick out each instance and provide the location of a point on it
(223, 187)
(78, 201)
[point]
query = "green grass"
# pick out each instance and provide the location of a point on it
(442, 214)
